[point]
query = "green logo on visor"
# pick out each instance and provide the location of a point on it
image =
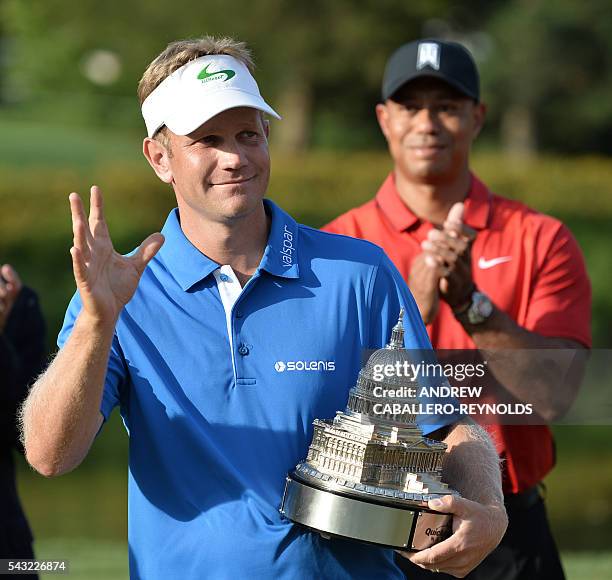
(220, 75)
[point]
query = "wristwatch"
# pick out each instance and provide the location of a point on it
(477, 311)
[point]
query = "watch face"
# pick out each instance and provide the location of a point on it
(485, 306)
(480, 309)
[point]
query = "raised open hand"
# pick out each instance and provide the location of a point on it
(106, 280)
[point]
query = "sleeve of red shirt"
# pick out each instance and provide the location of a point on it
(560, 304)
(344, 225)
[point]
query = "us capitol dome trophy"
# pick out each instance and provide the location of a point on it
(369, 476)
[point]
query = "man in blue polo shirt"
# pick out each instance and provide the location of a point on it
(221, 339)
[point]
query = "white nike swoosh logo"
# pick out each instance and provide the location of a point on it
(486, 264)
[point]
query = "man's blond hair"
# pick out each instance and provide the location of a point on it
(178, 54)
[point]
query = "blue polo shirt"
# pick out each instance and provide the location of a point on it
(218, 387)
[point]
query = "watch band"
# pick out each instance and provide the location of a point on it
(465, 305)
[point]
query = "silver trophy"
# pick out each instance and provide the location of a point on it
(368, 476)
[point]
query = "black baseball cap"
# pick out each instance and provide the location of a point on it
(448, 61)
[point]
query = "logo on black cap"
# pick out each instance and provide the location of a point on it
(428, 55)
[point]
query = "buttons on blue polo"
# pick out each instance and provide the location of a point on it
(243, 349)
(224, 278)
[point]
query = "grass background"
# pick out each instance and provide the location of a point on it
(82, 516)
(106, 560)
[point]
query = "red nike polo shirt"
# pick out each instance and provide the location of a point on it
(528, 263)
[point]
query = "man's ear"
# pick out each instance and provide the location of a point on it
(382, 114)
(159, 158)
(266, 128)
(480, 114)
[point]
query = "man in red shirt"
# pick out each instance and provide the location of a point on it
(486, 272)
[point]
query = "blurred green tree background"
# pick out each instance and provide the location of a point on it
(69, 117)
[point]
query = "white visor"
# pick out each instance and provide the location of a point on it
(198, 91)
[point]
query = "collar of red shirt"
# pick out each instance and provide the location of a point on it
(476, 214)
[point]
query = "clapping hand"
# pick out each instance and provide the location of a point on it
(445, 265)
(451, 249)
